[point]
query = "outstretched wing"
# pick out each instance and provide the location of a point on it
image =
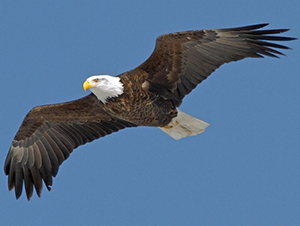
(182, 60)
(48, 135)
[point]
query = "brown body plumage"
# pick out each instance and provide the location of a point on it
(151, 94)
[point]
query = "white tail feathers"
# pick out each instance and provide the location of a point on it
(184, 125)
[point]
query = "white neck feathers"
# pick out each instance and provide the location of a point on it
(107, 86)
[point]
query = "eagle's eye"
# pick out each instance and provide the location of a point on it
(96, 80)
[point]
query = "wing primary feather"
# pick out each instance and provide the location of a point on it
(30, 161)
(59, 141)
(11, 179)
(53, 159)
(67, 131)
(45, 157)
(47, 178)
(266, 53)
(265, 32)
(18, 180)
(267, 37)
(15, 160)
(80, 138)
(37, 180)
(25, 156)
(65, 139)
(250, 27)
(7, 163)
(28, 182)
(37, 157)
(267, 49)
(59, 155)
(271, 44)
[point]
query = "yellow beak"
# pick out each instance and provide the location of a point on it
(87, 85)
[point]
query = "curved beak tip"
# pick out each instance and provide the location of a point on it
(86, 85)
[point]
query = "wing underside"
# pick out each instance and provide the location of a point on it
(47, 137)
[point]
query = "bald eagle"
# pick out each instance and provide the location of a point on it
(148, 95)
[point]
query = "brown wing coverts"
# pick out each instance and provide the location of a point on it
(45, 139)
(182, 60)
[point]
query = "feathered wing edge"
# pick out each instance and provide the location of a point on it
(41, 145)
(182, 60)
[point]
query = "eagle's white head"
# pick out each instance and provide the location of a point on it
(104, 86)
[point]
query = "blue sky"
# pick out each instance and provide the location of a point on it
(244, 170)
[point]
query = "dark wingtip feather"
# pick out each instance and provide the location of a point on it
(18, 193)
(267, 31)
(246, 28)
(260, 39)
(255, 26)
(18, 180)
